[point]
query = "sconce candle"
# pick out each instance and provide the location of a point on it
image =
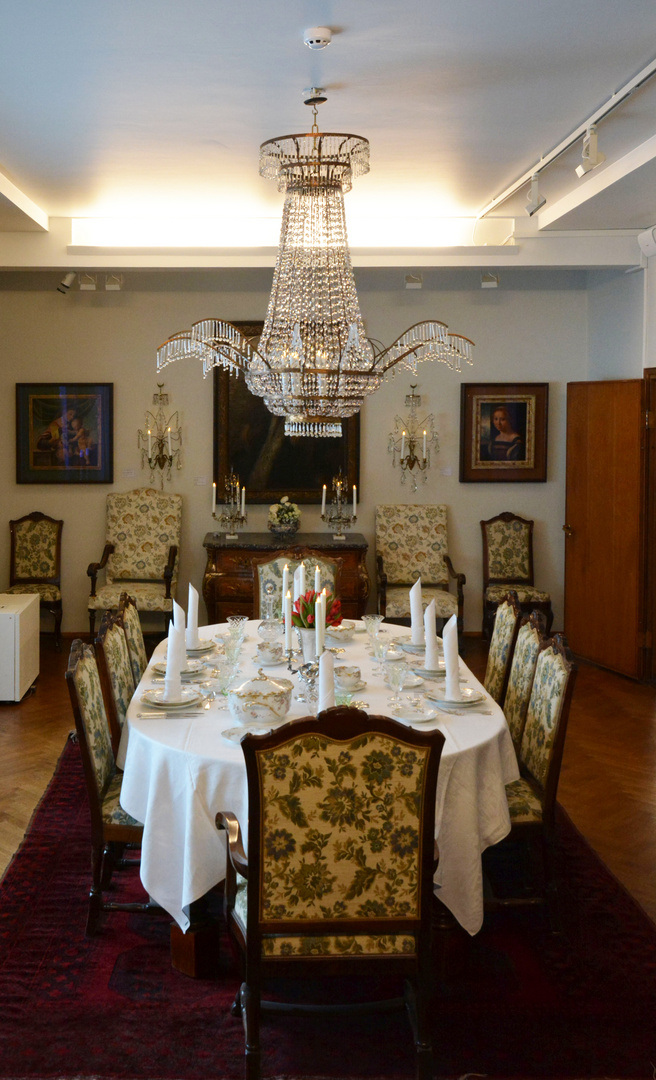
(355, 501)
(323, 501)
(214, 497)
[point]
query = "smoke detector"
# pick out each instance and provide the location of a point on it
(317, 37)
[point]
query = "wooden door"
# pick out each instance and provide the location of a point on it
(605, 523)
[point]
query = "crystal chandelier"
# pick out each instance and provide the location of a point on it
(313, 364)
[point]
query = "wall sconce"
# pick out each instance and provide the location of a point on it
(411, 441)
(157, 441)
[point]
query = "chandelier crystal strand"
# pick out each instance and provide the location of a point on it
(314, 364)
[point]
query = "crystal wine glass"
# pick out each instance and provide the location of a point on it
(397, 672)
(372, 626)
(237, 626)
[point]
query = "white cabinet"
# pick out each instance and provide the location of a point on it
(19, 644)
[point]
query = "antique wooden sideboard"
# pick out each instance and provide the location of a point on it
(228, 581)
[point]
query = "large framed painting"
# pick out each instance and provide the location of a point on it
(503, 432)
(251, 442)
(64, 433)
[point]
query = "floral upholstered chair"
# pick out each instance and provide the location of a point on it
(35, 562)
(502, 646)
(339, 871)
(127, 610)
(111, 827)
(532, 799)
(411, 542)
(508, 564)
(522, 669)
(140, 556)
(116, 676)
(267, 575)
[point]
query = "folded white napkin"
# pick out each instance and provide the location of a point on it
(192, 619)
(178, 617)
(432, 660)
(176, 659)
(416, 614)
(451, 661)
(326, 681)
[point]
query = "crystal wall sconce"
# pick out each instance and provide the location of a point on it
(161, 442)
(411, 441)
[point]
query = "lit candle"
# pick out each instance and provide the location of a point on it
(319, 623)
(285, 580)
(301, 579)
(149, 443)
(355, 500)
(317, 579)
(288, 620)
(402, 445)
(169, 435)
(424, 446)
(323, 501)
(213, 497)
(243, 501)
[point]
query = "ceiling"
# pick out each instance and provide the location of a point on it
(150, 115)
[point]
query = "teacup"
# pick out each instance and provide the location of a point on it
(269, 652)
(348, 676)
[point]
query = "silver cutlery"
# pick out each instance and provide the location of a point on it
(167, 715)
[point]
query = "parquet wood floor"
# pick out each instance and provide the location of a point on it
(607, 785)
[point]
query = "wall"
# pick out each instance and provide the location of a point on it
(534, 327)
(616, 302)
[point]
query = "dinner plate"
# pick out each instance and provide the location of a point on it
(188, 696)
(206, 646)
(341, 689)
(234, 734)
(220, 639)
(192, 667)
(418, 713)
(411, 682)
(269, 663)
(470, 697)
(409, 647)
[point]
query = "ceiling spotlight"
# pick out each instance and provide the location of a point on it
(590, 157)
(534, 200)
(414, 281)
(88, 282)
(317, 37)
(66, 282)
(489, 280)
(113, 282)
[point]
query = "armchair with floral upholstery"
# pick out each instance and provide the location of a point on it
(35, 562)
(411, 542)
(115, 669)
(129, 615)
(267, 576)
(140, 555)
(522, 669)
(508, 564)
(338, 878)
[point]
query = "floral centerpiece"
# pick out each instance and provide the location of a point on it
(303, 610)
(284, 517)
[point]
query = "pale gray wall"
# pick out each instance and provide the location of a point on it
(533, 328)
(616, 302)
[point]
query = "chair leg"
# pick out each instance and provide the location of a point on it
(58, 621)
(416, 999)
(95, 896)
(250, 1014)
(92, 621)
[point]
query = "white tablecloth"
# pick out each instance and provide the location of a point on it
(179, 772)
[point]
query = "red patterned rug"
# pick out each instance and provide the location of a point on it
(521, 1003)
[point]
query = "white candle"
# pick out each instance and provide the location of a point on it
(149, 443)
(243, 502)
(317, 579)
(355, 500)
(403, 445)
(319, 623)
(323, 501)
(301, 579)
(285, 580)
(288, 620)
(213, 497)
(424, 446)
(169, 435)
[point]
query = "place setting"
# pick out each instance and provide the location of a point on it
(177, 696)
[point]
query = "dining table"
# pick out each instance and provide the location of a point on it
(180, 767)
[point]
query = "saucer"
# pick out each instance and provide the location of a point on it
(192, 667)
(268, 663)
(414, 714)
(341, 689)
(234, 734)
(470, 697)
(188, 696)
(411, 681)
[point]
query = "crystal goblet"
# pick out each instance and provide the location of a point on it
(237, 625)
(397, 672)
(372, 625)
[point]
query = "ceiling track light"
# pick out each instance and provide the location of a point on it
(489, 280)
(113, 282)
(590, 156)
(534, 200)
(66, 282)
(88, 282)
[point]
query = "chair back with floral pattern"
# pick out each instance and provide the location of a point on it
(543, 738)
(35, 549)
(115, 669)
(142, 525)
(267, 575)
(507, 549)
(522, 669)
(412, 540)
(341, 835)
(502, 644)
(91, 725)
(127, 610)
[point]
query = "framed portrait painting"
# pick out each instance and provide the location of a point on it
(250, 441)
(64, 433)
(503, 432)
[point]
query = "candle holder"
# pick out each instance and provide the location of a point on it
(411, 441)
(161, 442)
(232, 515)
(335, 514)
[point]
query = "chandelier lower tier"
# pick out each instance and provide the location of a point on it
(313, 363)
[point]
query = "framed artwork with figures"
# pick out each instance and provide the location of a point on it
(503, 432)
(64, 433)
(250, 441)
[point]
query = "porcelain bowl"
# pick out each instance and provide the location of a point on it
(260, 699)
